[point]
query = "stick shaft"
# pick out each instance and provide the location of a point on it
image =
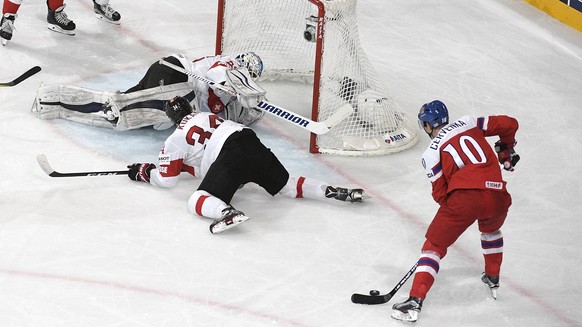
(46, 167)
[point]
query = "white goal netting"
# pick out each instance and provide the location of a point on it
(317, 41)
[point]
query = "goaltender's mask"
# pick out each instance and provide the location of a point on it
(252, 62)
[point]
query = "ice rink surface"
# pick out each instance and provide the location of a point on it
(107, 251)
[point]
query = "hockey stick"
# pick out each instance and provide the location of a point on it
(22, 77)
(380, 299)
(275, 110)
(44, 164)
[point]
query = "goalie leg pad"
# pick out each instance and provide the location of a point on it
(92, 119)
(59, 101)
(146, 107)
(121, 111)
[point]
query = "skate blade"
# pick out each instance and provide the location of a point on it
(410, 316)
(222, 226)
(57, 29)
(360, 199)
(107, 20)
(3, 41)
(493, 293)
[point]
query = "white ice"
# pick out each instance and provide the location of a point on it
(107, 251)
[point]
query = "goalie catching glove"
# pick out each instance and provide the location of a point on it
(140, 172)
(507, 156)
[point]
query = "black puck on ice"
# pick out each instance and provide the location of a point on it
(374, 292)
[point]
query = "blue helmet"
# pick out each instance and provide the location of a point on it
(434, 113)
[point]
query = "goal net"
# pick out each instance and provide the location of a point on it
(317, 41)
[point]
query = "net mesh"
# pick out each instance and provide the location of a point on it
(286, 34)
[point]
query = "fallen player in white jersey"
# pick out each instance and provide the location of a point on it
(225, 155)
(143, 104)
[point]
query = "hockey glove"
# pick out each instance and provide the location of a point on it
(140, 172)
(507, 156)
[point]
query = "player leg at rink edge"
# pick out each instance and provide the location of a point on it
(226, 155)
(468, 185)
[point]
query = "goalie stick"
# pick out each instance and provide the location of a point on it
(22, 77)
(380, 299)
(275, 110)
(44, 164)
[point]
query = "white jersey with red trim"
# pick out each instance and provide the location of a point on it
(193, 147)
(213, 68)
(460, 157)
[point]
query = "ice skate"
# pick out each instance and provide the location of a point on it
(7, 27)
(59, 22)
(408, 310)
(230, 218)
(345, 194)
(106, 13)
(492, 282)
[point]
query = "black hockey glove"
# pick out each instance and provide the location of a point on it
(140, 172)
(507, 156)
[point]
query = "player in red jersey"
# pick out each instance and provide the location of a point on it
(225, 155)
(57, 19)
(467, 184)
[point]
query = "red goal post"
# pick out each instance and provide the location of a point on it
(317, 41)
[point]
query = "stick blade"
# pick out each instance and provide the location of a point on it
(26, 75)
(342, 113)
(44, 164)
(370, 299)
(337, 117)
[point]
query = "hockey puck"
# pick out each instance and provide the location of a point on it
(374, 292)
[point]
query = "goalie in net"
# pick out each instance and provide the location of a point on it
(143, 104)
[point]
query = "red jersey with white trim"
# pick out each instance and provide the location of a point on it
(460, 157)
(193, 147)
